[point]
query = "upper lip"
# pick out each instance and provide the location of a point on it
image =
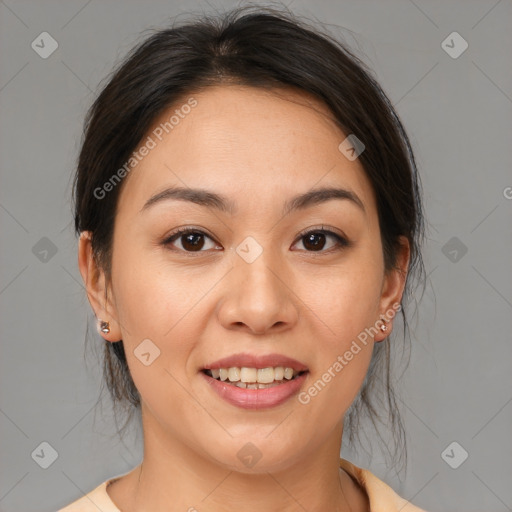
(256, 361)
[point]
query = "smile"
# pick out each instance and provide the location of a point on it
(253, 394)
(254, 378)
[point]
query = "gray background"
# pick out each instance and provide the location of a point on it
(458, 114)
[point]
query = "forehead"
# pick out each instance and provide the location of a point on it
(247, 143)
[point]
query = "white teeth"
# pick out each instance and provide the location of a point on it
(266, 375)
(278, 373)
(234, 374)
(252, 377)
(248, 374)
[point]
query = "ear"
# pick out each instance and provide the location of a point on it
(392, 289)
(95, 285)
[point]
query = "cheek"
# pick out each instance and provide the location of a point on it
(345, 299)
(343, 306)
(343, 348)
(159, 309)
(333, 389)
(152, 296)
(159, 326)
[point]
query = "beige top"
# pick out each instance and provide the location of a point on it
(382, 498)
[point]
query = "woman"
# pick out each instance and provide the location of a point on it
(250, 220)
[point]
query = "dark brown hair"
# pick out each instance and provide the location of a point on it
(270, 49)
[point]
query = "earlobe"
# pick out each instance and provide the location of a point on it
(95, 285)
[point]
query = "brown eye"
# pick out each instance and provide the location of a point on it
(316, 240)
(191, 240)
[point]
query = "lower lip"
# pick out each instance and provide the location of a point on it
(256, 398)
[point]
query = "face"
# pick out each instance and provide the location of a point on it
(255, 273)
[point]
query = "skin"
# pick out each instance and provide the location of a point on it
(258, 148)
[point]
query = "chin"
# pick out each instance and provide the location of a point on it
(255, 454)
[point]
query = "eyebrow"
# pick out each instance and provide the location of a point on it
(194, 195)
(220, 202)
(321, 195)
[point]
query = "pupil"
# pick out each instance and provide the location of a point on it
(194, 241)
(310, 240)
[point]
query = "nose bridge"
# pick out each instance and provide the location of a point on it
(252, 249)
(259, 268)
(257, 294)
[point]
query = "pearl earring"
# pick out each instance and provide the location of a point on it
(105, 327)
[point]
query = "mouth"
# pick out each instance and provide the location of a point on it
(254, 378)
(255, 382)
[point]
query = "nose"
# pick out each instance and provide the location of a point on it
(258, 298)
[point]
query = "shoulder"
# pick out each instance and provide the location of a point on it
(97, 499)
(381, 496)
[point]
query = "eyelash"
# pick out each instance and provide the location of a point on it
(342, 242)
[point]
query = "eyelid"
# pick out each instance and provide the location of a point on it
(327, 229)
(185, 229)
